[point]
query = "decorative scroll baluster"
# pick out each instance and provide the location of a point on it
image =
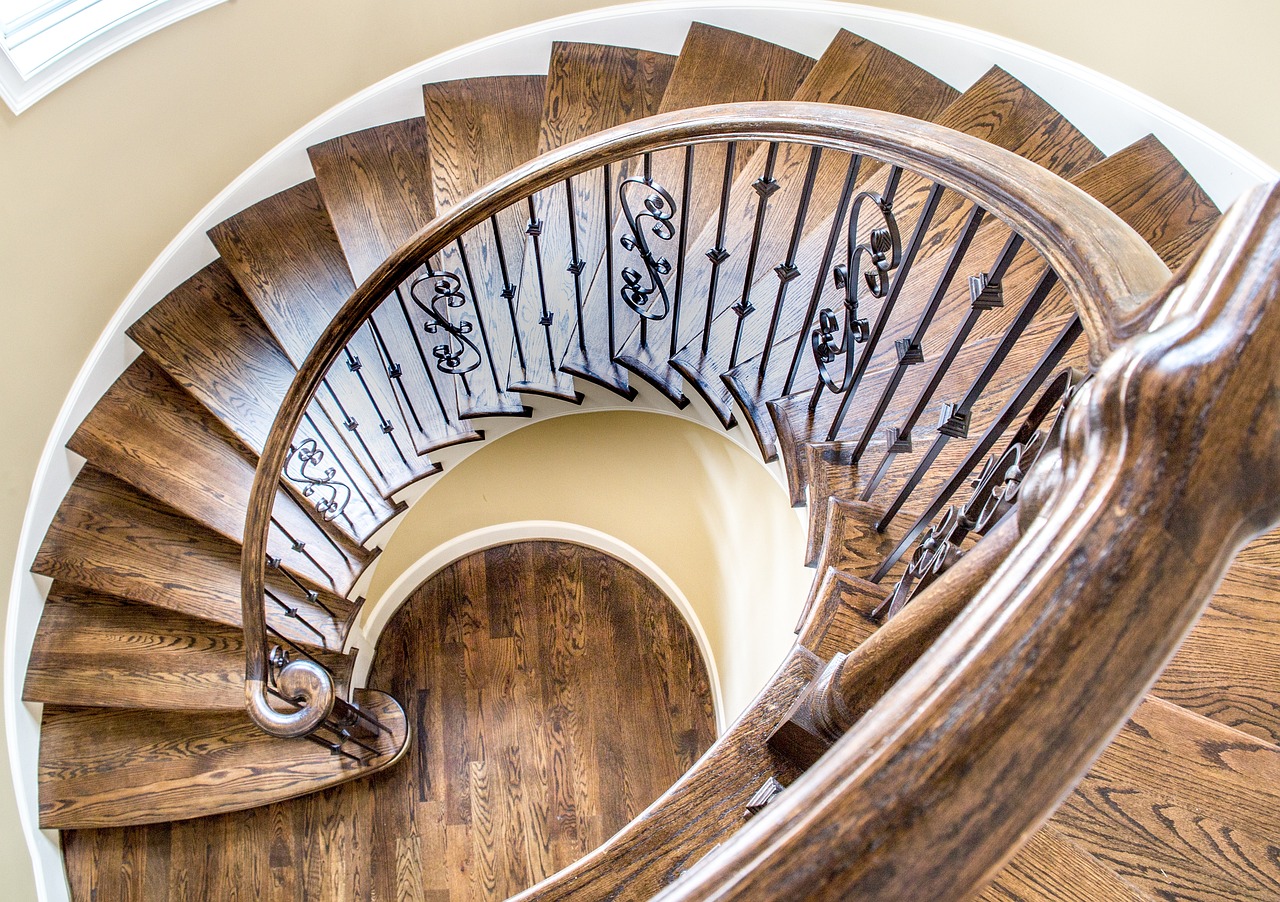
(534, 230)
(828, 255)
(457, 355)
(422, 356)
(911, 350)
(985, 293)
(329, 493)
(718, 254)
(787, 270)
(484, 332)
(883, 251)
(659, 206)
(765, 187)
(995, 492)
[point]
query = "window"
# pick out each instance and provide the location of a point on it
(44, 43)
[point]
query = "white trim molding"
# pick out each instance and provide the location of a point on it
(82, 40)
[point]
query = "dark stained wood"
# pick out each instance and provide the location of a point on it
(376, 186)
(552, 691)
(109, 538)
(286, 256)
(1229, 667)
(109, 768)
(210, 339)
(93, 650)
(478, 129)
(150, 433)
(851, 543)
(590, 87)
(1053, 868)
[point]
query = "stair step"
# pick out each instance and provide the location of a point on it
(107, 537)
(714, 66)
(478, 129)
(209, 338)
(285, 255)
(834, 474)
(1181, 807)
(1052, 868)
(113, 768)
(94, 650)
(851, 545)
(376, 186)
(150, 433)
(839, 620)
(590, 87)
(1228, 668)
(852, 72)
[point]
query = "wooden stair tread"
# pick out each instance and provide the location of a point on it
(210, 339)
(376, 186)
(590, 87)
(1181, 807)
(477, 130)
(109, 538)
(93, 650)
(714, 66)
(839, 620)
(1053, 868)
(286, 256)
(110, 768)
(1228, 668)
(150, 433)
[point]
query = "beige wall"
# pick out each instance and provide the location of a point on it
(98, 177)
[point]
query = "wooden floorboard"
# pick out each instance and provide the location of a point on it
(554, 693)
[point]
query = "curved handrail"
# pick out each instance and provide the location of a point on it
(1178, 433)
(1106, 267)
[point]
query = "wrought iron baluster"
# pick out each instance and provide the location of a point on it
(422, 355)
(534, 230)
(508, 291)
(353, 485)
(765, 186)
(298, 649)
(484, 331)
(638, 289)
(352, 425)
(292, 614)
(886, 309)
(954, 421)
(385, 426)
(988, 505)
(883, 252)
(718, 254)
(828, 256)
(576, 263)
(911, 350)
(682, 252)
(313, 596)
(395, 372)
(333, 747)
(331, 494)
(301, 548)
(457, 355)
(985, 293)
(787, 270)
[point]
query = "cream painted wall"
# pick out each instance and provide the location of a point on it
(714, 521)
(99, 176)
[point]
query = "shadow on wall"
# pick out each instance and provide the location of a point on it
(698, 505)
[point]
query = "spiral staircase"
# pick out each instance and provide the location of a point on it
(139, 660)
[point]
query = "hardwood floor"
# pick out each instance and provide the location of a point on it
(554, 693)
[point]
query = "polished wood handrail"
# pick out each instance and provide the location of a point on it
(1107, 269)
(1170, 463)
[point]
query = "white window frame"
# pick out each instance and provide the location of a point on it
(81, 51)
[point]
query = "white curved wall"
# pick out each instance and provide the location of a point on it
(101, 174)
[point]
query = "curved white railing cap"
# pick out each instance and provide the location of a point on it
(1108, 112)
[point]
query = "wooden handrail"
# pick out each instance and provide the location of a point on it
(1106, 267)
(1170, 463)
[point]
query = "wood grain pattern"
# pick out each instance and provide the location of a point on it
(478, 129)
(150, 433)
(93, 650)
(210, 340)
(552, 692)
(287, 258)
(1053, 868)
(109, 538)
(103, 767)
